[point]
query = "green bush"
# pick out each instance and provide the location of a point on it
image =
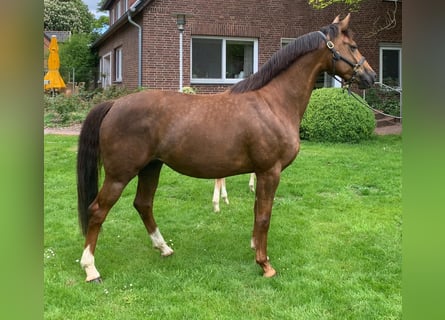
(334, 116)
(112, 92)
(64, 110)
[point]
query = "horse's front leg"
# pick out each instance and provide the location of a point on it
(219, 189)
(224, 194)
(267, 184)
(216, 192)
(252, 182)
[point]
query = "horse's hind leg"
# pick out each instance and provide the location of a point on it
(99, 208)
(147, 184)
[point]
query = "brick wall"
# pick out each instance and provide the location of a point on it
(268, 21)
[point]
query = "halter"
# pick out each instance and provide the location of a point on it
(337, 56)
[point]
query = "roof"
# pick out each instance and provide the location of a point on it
(106, 5)
(62, 36)
(138, 6)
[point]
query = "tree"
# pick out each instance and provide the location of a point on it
(377, 26)
(67, 15)
(76, 54)
(99, 26)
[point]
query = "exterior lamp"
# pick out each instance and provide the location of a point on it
(180, 22)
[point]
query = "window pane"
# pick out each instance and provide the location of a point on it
(118, 64)
(239, 59)
(206, 58)
(391, 67)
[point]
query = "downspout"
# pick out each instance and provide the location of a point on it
(133, 9)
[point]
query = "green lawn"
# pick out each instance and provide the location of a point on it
(335, 241)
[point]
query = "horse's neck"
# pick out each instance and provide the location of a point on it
(293, 87)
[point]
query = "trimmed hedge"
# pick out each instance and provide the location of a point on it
(334, 116)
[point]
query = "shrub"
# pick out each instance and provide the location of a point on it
(189, 90)
(384, 99)
(112, 92)
(63, 110)
(334, 116)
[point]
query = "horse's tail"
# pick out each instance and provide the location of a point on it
(88, 162)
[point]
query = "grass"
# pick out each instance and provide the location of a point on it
(335, 240)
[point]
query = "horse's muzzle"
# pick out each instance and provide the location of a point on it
(366, 79)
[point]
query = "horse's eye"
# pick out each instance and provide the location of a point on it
(353, 48)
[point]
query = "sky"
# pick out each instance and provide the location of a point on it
(92, 5)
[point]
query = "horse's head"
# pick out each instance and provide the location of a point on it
(346, 60)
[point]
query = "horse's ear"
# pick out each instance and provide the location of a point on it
(336, 20)
(344, 24)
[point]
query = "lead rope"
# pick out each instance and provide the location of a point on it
(365, 103)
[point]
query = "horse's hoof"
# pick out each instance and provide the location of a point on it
(96, 280)
(167, 253)
(269, 272)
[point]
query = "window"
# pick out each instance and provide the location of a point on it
(391, 65)
(118, 64)
(223, 60)
(105, 70)
(118, 10)
(112, 20)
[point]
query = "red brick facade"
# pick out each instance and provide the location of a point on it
(267, 21)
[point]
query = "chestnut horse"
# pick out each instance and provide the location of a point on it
(220, 190)
(260, 117)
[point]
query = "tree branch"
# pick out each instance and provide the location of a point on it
(390, 23)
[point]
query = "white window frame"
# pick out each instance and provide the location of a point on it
(118, 64)
(105, 81)
(286, 41)
(390, 47)
(223, 79)
(118, 10)
(112, 18)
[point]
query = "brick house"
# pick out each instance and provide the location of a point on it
(226, 40)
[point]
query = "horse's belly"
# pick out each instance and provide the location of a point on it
(200, 165)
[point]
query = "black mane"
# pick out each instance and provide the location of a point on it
(283, 58)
